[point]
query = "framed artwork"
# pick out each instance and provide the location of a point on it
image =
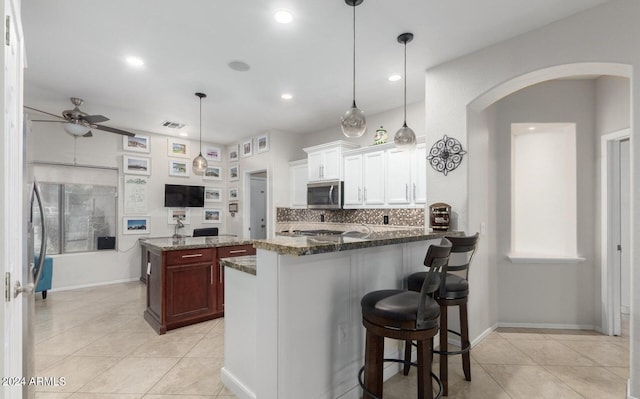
(177, 148)
(179, 168)
(137, 143)
(234, 173)
(213, 173)
(212, 194)
(181, 214)
(262, 143)
(212, 215)
(135, 225)
(211, 153)
(136, 165)
(247, 148)
(233, 153)
(233, 194)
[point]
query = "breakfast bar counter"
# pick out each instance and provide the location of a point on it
(294, 328)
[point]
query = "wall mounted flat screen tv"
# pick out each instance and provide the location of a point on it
(176, 195)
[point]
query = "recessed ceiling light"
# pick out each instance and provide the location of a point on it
(135, 61)
(394, 78)
(183, 134)
(283, 16)
(286, 96)
(532, 128)
(239, 66)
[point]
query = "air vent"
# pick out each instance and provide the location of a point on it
(173, 125)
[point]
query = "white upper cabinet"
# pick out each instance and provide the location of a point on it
(364, 180)
(298, 183)
(399, 185)
(419, 174)
(325, 160)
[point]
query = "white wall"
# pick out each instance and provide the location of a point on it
(602, 40)
(49, 143)
(568, 297)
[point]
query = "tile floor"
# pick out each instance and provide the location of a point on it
(97, 339)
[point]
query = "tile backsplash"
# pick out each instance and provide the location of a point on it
(397, 216)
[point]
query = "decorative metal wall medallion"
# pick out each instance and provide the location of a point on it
(446, 154)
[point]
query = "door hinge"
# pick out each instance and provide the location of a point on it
(619, 247)
(7, 287)
(7, 38)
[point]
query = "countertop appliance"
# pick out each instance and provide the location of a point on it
(325, 195)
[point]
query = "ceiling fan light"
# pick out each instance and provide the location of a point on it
(75, 129)
(199, 165)
(353, 123)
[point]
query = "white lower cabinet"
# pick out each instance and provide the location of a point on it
(364, 180)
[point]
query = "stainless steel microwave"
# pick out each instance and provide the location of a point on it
(325, 195)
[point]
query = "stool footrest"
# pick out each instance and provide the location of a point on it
(433, 376)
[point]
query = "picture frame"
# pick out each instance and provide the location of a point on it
(137, 143)
(182, 214)
(233, 207)
(212, 173)
(262, 143)
(246, 148)
(234, 172)
(212, 153)
(177, 148)
(212, 194)
(233, 153)
(179, 168)
(234, 195)
(212, 215)
(136, 165)
(135, 225)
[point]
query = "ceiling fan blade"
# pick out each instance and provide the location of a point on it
(88, 134)
(44, 112)
(47, 120)
(93, 119)
(114, 130)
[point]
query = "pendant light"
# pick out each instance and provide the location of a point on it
(405, 137)
(199, 163)
(353, 122)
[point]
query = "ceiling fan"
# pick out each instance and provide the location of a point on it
(78, 123)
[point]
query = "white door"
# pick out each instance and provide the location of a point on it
(12, 181)
(625, 228)
(258, 207)
(353, 180)
(374, 178)
(398, 176)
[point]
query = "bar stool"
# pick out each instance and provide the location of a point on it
(456, 293)
(404, 315)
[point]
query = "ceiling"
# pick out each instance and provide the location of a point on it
(76, 48)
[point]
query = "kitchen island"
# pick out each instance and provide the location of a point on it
(294, 328)
(185, 283)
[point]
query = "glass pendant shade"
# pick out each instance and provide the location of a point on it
(405, 137)
(353, 122)
(199, 163)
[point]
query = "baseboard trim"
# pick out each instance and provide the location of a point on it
(235, 386)
(455, 340)
(75, 287)
(628, 390)
(548, 325)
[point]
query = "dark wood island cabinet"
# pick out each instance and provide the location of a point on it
(185, 282)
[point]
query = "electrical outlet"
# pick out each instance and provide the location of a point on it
(483, 228)
(342, 333)
(385, 219)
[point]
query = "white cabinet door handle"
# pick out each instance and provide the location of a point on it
(406, 192)
(414, 191)
(359, 194)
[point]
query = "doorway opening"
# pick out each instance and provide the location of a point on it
(616, 229)
(257, 205)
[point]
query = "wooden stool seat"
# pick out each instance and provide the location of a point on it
(407, 316)
(455, 293)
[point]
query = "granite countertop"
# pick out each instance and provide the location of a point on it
(245, 264)
(309, 245)
(173, 244)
